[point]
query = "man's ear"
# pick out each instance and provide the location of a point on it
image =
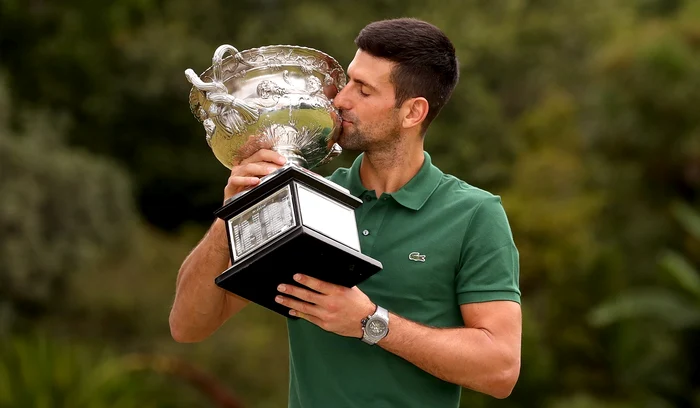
(416, 109)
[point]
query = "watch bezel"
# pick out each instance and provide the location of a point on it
(385, 328)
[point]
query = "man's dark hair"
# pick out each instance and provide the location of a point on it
(425, 59)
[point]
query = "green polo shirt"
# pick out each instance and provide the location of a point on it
(442, 243)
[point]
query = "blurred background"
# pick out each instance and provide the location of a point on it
(582, 114)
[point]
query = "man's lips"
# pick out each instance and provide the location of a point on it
(344, 119)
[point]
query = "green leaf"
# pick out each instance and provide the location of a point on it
(682, 271)
(649, 303)
(688, 217)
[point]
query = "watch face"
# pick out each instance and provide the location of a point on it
(376, 328)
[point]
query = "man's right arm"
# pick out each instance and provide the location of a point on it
(201, 307)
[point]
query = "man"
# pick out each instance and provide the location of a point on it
(448, 293)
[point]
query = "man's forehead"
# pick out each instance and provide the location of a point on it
(369, 68)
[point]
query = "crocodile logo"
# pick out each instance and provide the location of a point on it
(415, 256)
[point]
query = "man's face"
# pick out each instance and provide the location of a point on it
(366, 105)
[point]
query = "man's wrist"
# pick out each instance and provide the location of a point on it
(218, 237)
(372, 309)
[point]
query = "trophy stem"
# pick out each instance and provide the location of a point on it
(292, 154)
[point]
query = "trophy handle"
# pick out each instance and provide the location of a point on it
(217, 84)
(214, 86)
(243, 113)
(218, 59)
(335, 152)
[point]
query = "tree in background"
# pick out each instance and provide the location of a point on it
(61, 210)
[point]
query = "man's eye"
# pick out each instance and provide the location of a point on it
(363, 93)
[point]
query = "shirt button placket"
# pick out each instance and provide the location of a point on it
(371, 224)
(367, 237)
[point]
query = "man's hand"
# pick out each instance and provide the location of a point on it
(334, 308)
(248, 172)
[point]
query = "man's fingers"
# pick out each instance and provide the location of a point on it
(258, 169)
(298, 305)
(301, 293)
(236, 184)
(243, 181)
(265, 155)
(248, 173)
(316, 284)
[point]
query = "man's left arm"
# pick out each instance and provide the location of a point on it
(483, 356)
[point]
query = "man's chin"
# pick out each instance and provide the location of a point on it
(346, 143)
(342, 144)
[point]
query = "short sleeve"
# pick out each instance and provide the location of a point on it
(489, 266)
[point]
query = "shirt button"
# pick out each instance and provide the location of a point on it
(365, 232)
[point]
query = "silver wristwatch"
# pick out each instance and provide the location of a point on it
(376, 326)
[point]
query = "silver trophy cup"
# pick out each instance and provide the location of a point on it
(294, 221)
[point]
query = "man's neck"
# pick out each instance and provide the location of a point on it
(387, 170)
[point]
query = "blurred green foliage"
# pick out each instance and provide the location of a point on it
(60, 208)
(582, 115)
(37, 372)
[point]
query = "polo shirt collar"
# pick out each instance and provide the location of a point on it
(413, 194)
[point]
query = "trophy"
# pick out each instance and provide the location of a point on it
(294, 221)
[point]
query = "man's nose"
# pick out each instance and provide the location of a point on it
(340, 101)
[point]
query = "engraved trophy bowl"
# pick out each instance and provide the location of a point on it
(280, 98)
(275, 97)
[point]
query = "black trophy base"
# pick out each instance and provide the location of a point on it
(301, 250)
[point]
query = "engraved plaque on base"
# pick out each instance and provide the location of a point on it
(261, 223)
